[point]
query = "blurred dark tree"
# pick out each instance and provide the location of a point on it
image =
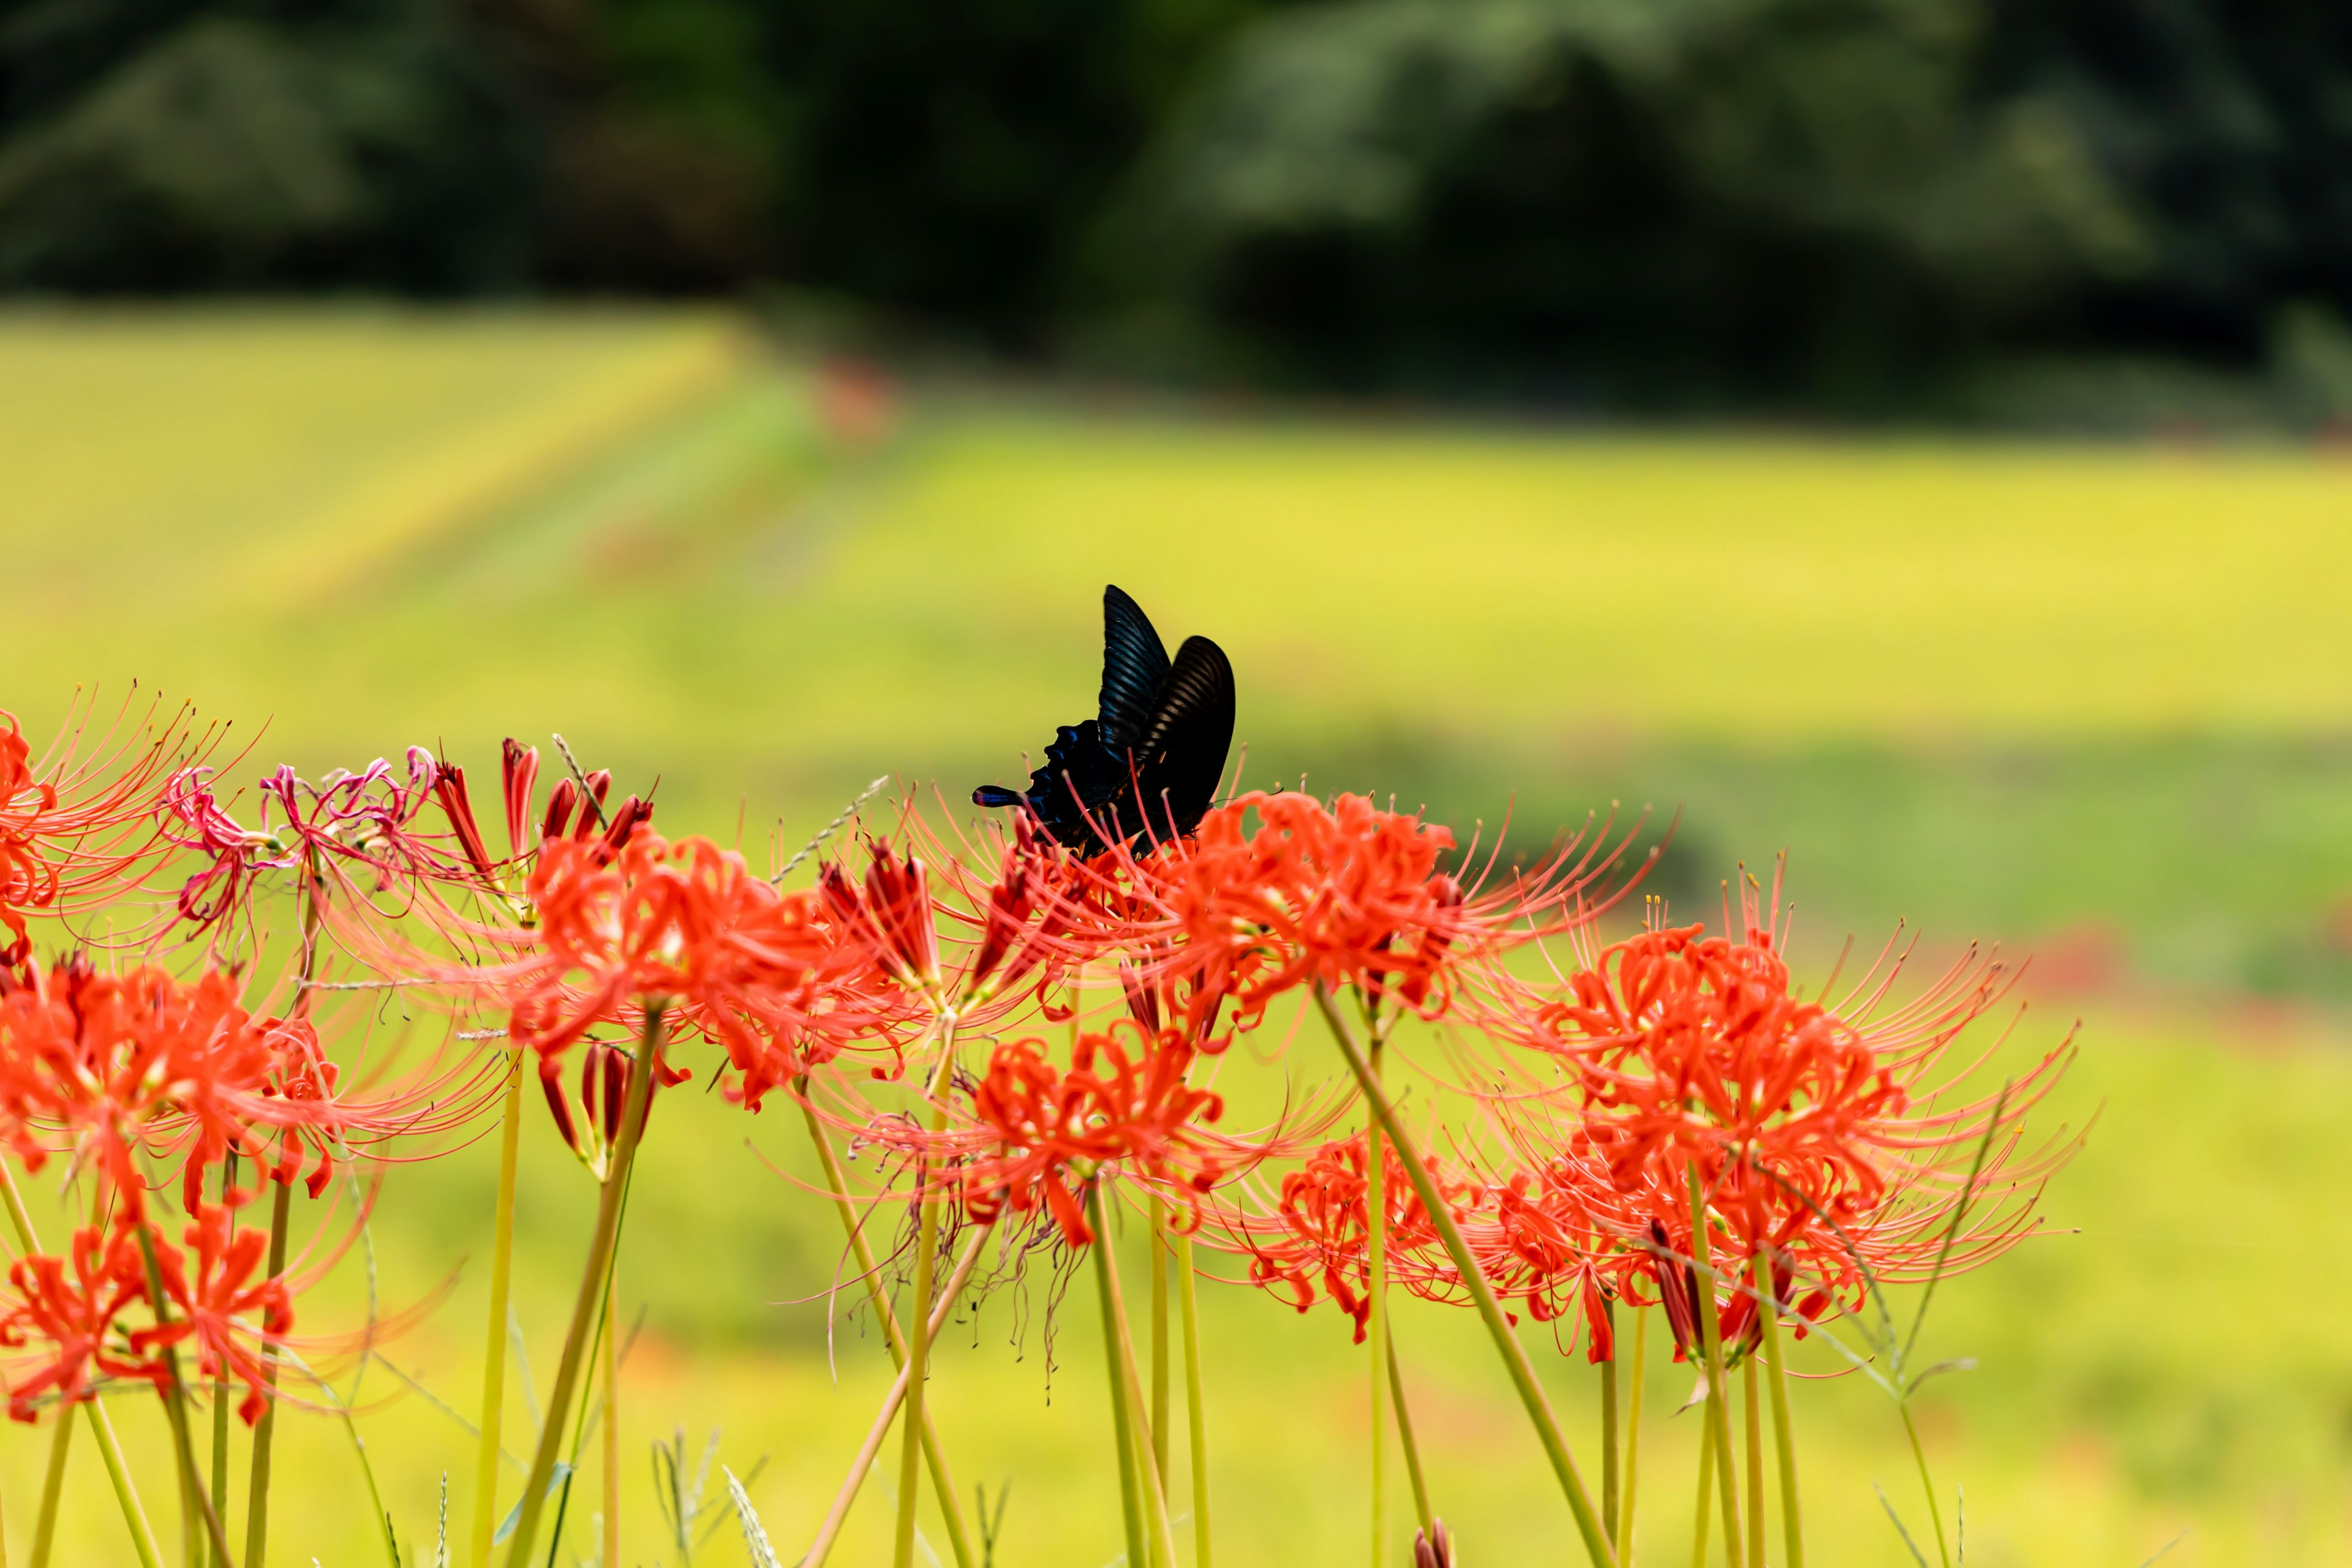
(1630, 199)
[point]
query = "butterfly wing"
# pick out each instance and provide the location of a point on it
(1181, 757)
(1135, 667)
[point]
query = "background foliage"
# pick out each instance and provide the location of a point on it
(1841, 203)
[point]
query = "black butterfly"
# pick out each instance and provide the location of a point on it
(1154, 757)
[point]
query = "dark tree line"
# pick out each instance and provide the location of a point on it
(1619, 194)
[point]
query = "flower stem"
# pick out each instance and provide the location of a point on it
(1935, 1514)
(592, 1288)
(44, 1528)
(1783, 1439)
(175, 1407)
(1129, 1500)
(1705, 1488)
(1161, 1542)
(1159, 1434)
(494, 1337)
(1376, 1291)
(1632, 1440)
(837, 1183)
(823, 1545)
(1718, 1402)
(264, 1431)
(1482, 1293)
(1421, 1510)
(1608, 1433)
(1753, 1409)
(1189, 1303)
(101, 1426)
(220, 1393)
(613, 1416)
(919, 1343)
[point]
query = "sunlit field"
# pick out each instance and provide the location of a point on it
(2093, 703)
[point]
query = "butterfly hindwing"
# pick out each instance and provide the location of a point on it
(1181, 757)
(1135, 667)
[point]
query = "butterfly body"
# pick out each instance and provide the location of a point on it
(1150, 759)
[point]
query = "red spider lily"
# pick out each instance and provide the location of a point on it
(773, 977)
(111, 1062)
(65, 1310)
(221, 1306)
(892, 913)
(72, 825)
(234, 853)
(1553, 1239)
(1344, 895)
(1812, 1127)
(518, 776)
(1124, 1101)
(365, 817)
(603, 1092)
(1316, 1242)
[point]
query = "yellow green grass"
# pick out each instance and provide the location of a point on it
(369, 528)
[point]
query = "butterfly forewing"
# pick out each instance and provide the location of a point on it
(1135, 667)
(1181, 757)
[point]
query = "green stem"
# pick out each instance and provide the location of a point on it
(1490, 1311)
(1783, 1439)
(943, 1484)
(1420, 1508)
(612, 1556)
(1159, 1444)
(1608, 1433)
(1706, 1489)
(1161, 1541)
(264, 1431)
(859, 1467)
(101, 1426)
(1718, 1402)
(1189, 1304)
(1130, 1502)
(44, 1528)
(126, 1495)
(175, 1407)
(918, 1344)
(1633, 1440)
(1935, 1514)
(1753, 1409)
(1376, 1230)
(220, 1393)
(591, 1289)
(494, 1337)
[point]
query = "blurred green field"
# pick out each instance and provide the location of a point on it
(2092, 701)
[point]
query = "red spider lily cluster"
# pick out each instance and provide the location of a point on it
(1025, 1033)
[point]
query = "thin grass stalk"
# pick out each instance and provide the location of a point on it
(613, 1416)
(101, 1426)
(1421, 1510)
(264, 1431)
(1160, 1534)
(1189, 1305)
(592, 1288)
(1376, 1229)
(943, 1487)
(1926, 1484)
(1159, 1444)
(919, 1346)
(1718, 1401)
(45, 1525)
(1634, 1374)
(1706, 1494)
(494, 1339)
(1753, 1410)
(1515, 1356)
(1784, 1443)
(175, 1407)
(831, 1528)
(1608, 1433)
